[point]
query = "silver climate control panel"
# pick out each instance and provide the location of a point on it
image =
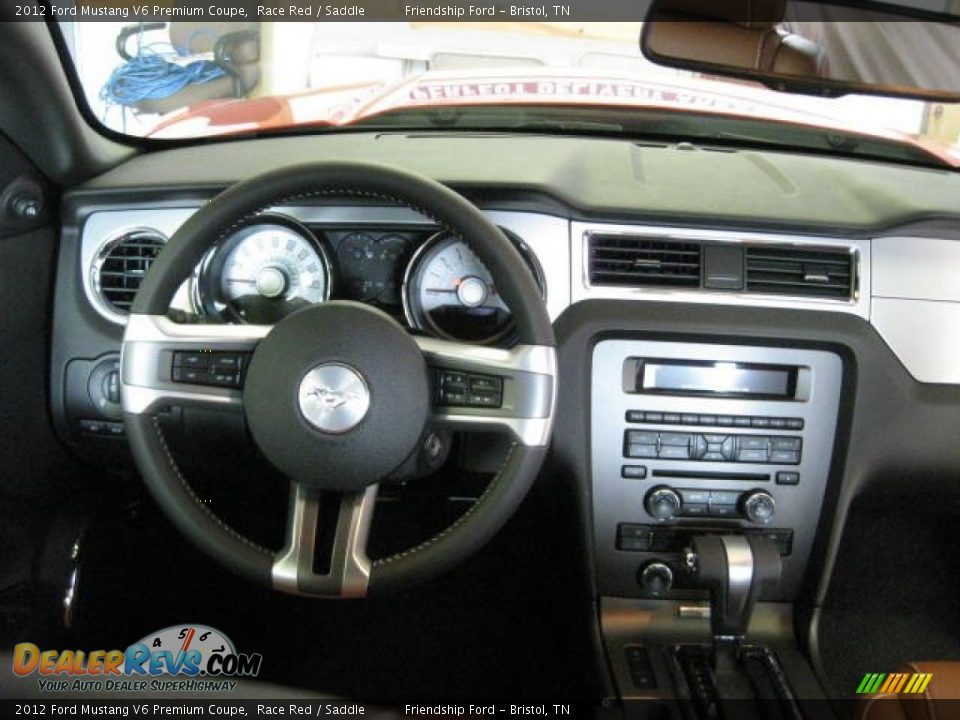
(696, 438)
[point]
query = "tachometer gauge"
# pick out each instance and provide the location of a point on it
(264, 271)
(449, 292)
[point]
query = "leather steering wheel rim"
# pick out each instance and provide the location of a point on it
(532, 363)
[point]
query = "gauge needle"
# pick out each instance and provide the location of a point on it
(440, 290)
(241, 281)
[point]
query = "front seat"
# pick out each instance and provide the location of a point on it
(943, 685)
(734, 33)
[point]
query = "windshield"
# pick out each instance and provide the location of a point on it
(188, 80)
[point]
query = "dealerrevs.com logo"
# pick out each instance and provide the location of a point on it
(182, 657)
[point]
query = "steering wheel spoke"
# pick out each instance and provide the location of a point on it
(168, 363)
(349, 569)
(492, 389)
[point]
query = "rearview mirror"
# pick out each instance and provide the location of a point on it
(811, 47)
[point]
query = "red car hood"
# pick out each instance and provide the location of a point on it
(346, 104)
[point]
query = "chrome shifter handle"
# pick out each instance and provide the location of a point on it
(735, 569)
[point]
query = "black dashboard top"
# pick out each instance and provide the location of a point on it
(579, 176)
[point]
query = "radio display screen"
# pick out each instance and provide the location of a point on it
(716, 379)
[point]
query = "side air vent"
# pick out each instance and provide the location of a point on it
(801, 272)
(121, 266)
(640, 261)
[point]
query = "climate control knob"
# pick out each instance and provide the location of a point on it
(656, 577)
(759, 507)
(663, 503)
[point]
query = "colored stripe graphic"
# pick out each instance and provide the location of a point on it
(907, 683)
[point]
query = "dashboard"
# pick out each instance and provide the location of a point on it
(670, 313)
(274, 264)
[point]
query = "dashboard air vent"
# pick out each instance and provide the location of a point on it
(800, 271)
(122, 265)
(638, 261)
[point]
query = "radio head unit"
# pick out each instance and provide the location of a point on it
(733, 438)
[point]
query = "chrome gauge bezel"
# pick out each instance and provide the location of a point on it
(408, 292)
(206, 293)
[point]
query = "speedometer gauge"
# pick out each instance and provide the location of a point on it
(449, 292)
(264, 271)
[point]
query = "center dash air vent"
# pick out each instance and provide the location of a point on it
(800, 271)
(122, 265)
(638, 261)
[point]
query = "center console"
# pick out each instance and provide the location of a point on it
(695, 438)
(709, 467)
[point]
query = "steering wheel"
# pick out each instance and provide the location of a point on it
(338, 395)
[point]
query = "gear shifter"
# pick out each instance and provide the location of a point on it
(735, 569)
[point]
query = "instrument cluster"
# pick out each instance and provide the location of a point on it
(432, 281)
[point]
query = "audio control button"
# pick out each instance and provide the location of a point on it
(663, 503)
(641, 451)
(752, 456)
(724, 497)
(729, 448)
(754, 442)
(724, 511)
(759, 507)
(674, 452)
(788, 478)
(633, 472)
(698, 447)
(641, 437)
(785, 443)
(784, 457)
(675, 439)
(695, 509)
(694, 496)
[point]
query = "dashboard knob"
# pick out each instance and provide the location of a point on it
(759, 507)
(656, 577)
(663, 503)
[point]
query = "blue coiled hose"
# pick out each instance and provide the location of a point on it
(151, 75)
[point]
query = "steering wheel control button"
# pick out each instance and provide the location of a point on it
(457, 388)
(221, 369)
(334, 398)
